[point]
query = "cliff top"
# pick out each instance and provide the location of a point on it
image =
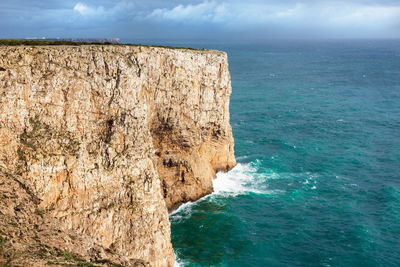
(13, 42)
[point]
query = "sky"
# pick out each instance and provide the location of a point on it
(200, 19)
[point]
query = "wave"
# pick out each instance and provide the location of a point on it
(179, 262)
(239, 180)
(244, 179)
(183, 210)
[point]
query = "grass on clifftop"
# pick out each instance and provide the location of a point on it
(13, 42)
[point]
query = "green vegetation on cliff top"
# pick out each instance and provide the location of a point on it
(13, 42)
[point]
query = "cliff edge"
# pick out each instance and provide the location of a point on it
(98, 142)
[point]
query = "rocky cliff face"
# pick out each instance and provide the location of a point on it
(102, 140)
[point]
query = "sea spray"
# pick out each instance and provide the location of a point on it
(239, 180)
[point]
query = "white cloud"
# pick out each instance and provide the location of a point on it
(208, 11)
(81, 8)
(306, 13)
(228, 13)
(85, 10)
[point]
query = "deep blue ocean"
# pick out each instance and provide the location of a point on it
(317, 141)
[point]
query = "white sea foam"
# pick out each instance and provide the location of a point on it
(179, 262)
(238, 181)
(243, 179)
(185, 210)
(182, 208)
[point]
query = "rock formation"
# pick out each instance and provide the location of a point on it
(101, 140)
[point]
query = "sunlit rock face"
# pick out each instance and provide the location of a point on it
(106, 139)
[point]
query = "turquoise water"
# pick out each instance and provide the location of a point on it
(317, 140)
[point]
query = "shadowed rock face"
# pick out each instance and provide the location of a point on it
(190, 124)
(106, 139)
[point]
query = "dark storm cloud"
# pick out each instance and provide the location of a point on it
(201, 18)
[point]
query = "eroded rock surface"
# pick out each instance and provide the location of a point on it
(105, 139)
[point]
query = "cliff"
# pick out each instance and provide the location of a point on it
(98, 142)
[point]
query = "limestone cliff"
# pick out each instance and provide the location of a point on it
(102, 140)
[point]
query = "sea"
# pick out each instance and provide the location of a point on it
(316, 125)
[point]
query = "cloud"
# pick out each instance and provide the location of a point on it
(208, 11)
(81, 8)
(293, 14)
(84, 10)
(229, 13)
